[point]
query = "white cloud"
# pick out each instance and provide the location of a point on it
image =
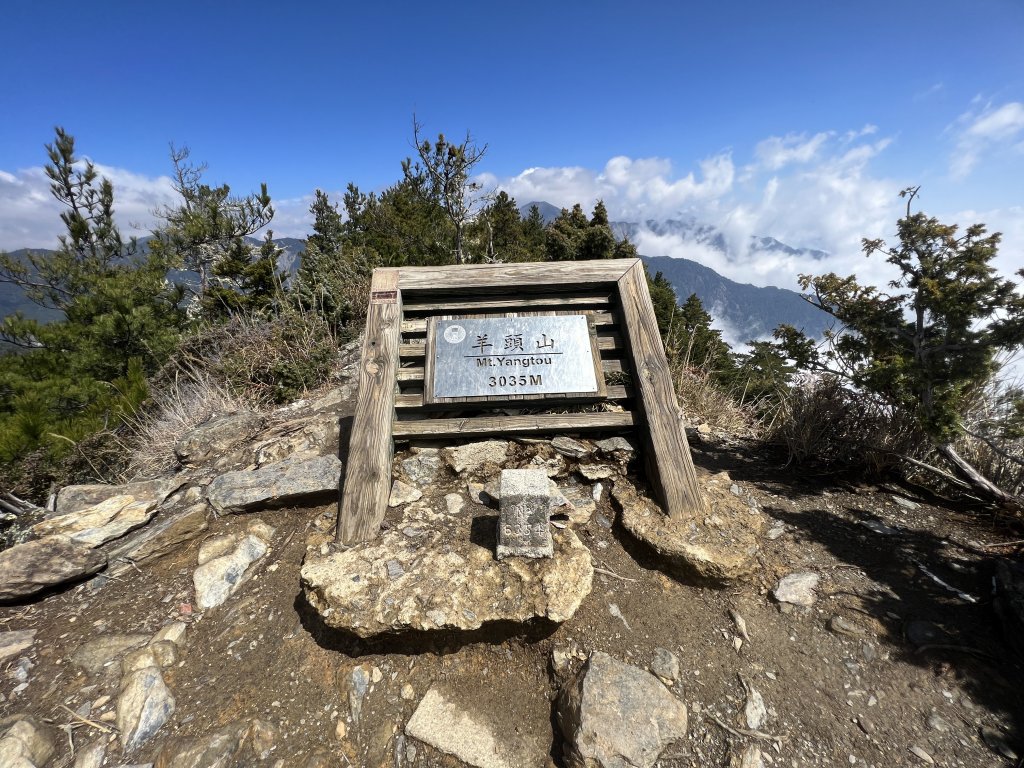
(779, 151)
(979, 133)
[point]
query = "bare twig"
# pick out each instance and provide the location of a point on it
(98, 726)
(614, 575)
(744, 732)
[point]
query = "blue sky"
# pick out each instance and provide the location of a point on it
(798, 120)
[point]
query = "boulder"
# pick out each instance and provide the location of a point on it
(574, 449)
(25, 744)
(308, 437)
(446, 726)
(216, 437)
(474, 458)
(92, 755)
(717, 545)
(110, 519)
(217, 579)
(423, 467)
(292, 481)
(166, 532)
(403, 493)
(29, 568)
(211, 751)
(613, 715)
(438, 571)
(76, 498)
(144, 705)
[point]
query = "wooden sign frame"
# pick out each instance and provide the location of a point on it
(479, 289)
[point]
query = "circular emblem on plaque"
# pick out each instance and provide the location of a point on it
(453, 334)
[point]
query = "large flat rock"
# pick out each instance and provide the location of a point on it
(110, 519)
(436, 570)
(29, 568)
(76, 498)
(719, 544)
(294, 480)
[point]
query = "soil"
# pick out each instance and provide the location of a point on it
(920, 649)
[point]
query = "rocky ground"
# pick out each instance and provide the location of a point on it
(208, 619)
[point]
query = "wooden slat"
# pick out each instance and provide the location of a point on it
(483, 426)
(415, 373)
(487, 304)
(606, 342)
(537, 278)
(670, 466)
(415, 400)
(371, 449)
(419, 325)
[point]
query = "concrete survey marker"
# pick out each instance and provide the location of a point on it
(523, 529)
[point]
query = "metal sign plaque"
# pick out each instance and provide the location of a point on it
(508, 356)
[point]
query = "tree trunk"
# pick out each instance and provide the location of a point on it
(978, 481)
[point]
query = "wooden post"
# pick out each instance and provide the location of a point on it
(670, 466)
(371, 448)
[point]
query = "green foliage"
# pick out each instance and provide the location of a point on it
(571, 237)
(206, 228)
(119, 320)
(931, 342)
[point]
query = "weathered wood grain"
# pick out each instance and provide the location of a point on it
(670, 466)
(483, 426)
(419, 325)
(540, 278)
(499, 303)
(371, 449)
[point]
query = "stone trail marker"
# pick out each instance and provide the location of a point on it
(523, 529)
(422, 326)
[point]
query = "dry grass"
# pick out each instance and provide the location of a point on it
(189, 400)
(704, 401)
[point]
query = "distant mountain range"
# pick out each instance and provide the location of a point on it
(743, 312)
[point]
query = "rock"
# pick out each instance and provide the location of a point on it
(261, 530)
(340, 730)
(97, 653)
(213, 751)
(108, 520)
(581, 503)
(423, 467)
(451, 579)
(217, 579)
(574, 449)
(842, 626)
(615, 446)
(720, 547)
(920, 753)
(596, 471)
(91, 756)
(175, 632)
(749, 757)
(905, 503)
(162, 654)
(523, 529)
(866, 724)
(14, 642)
(25, 744)
(166, 532)
(402, 493)
(292, 481)
(665, 665)
(754, 711)
(216, 437)
(29, 568)
(474, 457)
(938, 723)
(307, 438)
(78, 498)
(453, 730)
(454, 503)
(613, 715)
(997, 742)
(216, 546)
(144, 705)
(776, 531)
(797, 589)
(408, 693)
(359, 684)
